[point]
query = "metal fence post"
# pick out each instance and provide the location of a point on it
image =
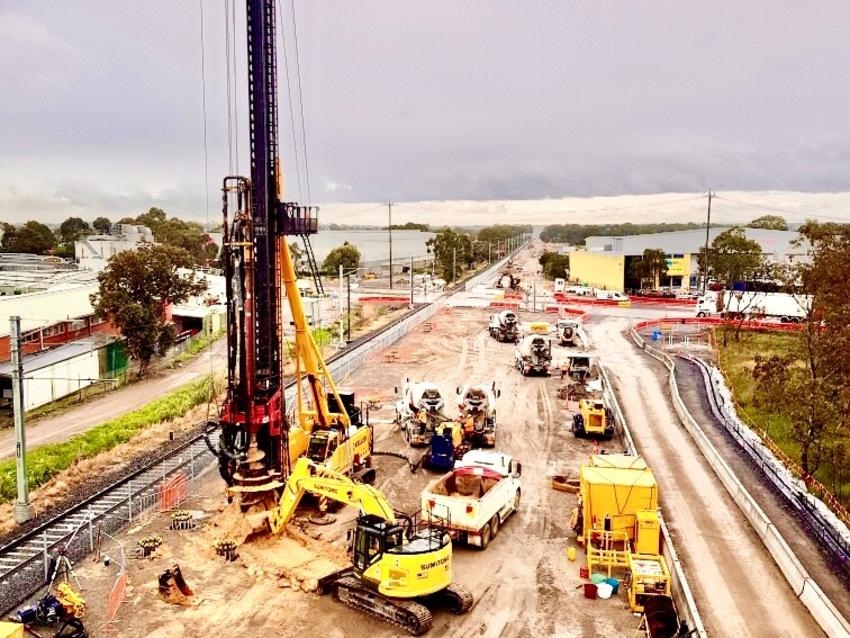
(44, 553)
(91, 532)
(130, 503)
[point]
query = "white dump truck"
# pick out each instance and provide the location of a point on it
(504, 326)
(420, 410)
(754, 305)
(477, 403)
(533, 354)
(476, 497)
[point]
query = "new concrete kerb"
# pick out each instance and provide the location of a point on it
(807, 590)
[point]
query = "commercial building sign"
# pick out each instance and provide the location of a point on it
(678, 265)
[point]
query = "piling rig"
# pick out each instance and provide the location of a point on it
(257, 444)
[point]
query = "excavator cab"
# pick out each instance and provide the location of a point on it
(323, 443)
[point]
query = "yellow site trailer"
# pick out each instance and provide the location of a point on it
(11, 630)
(613, 488)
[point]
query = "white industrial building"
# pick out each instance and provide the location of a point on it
(93, 251)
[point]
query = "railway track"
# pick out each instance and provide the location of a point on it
(25, 561)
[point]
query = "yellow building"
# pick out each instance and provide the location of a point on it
(598, 269)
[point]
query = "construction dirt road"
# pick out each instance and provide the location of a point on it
(523, 583)
(739, 589)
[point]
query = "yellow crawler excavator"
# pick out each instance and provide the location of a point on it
(401, 565)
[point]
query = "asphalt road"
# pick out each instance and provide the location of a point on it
(60, 426)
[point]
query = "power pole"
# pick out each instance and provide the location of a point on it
(705, 254)
(390, 229)
(489, 249)
(348, 287)
(411, 281)
(454, 264)
(23, 510)
(341, 312)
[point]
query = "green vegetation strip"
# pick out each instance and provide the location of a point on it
(736, 361)
(48, 460)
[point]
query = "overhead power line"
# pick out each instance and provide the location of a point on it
(289, 98)
(301, 103)
(777, 209)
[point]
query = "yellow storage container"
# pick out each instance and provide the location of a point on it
(616, 494)
(11, 630)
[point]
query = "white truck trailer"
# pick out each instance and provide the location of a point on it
(476, 497)
(786, 307)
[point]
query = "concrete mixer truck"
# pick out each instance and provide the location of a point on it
(568, 332)
(533, 354)
(420, 410)
(477, 404)
(504, 326)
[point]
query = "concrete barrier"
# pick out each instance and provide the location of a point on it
(807, 590)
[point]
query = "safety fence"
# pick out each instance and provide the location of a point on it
(116, 596)
(756, 326)
(806, 589)
(679, 587)
(816, 505)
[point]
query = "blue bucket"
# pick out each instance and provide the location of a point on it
(656, 335)
(615, 585)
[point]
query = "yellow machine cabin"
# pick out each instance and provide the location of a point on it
(397, 567)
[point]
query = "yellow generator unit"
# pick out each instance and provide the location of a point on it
(649, 577)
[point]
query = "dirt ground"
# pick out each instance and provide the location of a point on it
(523, 584)
(739, 589)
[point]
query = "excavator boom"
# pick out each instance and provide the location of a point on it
(320, 480)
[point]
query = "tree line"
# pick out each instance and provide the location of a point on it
(39, 239)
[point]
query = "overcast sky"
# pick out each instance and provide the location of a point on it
(101, 101)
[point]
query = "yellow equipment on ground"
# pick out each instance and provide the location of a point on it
(649, 577)
(397, 568)
(618, 497)
(11, 630)
(593, 419)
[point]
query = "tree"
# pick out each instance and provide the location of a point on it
(102, 225)
(770, 222)
(452, 250)
(554, 264)
(297, 256)
(136, 288)
(652, 265)
(346, 255)
(732, 257)
(33, 237)
(576, 233)
(810, 384)
(190, 236)
(72, 229)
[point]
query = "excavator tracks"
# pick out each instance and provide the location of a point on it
(456, 598)
(411, 616)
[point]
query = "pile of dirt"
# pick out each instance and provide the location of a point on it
(89, 476)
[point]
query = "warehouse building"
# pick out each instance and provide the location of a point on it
(608, 261)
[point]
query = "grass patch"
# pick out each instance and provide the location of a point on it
(736, 361)
(196, 346)
(46, 461)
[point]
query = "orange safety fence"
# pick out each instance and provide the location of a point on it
(384, 299)
(512, 305)
(714, 321)
(116, 596)
(173, 492)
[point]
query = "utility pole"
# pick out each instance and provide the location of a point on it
(341, 313)
(390, 229)
(489, 252)
(411, 281)
(454, 264)
(705, 254)
(23, 510)
(348, 286)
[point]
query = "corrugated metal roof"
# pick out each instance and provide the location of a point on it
(45, 308)
(39, 360)
(772, 242)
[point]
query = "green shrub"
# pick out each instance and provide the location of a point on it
(46, 461)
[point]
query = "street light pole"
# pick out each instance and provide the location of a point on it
(411, 281)
(390, 229)
(454, 264)
(341, 313)
(489, 249)
(23, 510)
(348, 286)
